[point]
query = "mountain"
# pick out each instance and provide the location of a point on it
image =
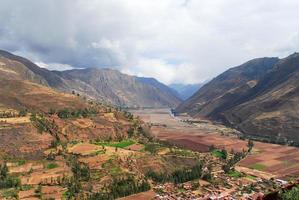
(153, 82)
(186, 90)
(122, 89)
(101, 84)
(260, 98)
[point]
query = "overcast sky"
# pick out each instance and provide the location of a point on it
(175, 41)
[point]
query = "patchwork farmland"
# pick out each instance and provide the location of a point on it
(275, 160)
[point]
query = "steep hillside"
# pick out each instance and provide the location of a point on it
(122, 89)
(260, 98)
(224, 89)
(100, 84)
(18, 94)
(59, 116)
(271, 108)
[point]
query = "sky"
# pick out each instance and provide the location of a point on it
(175, 41)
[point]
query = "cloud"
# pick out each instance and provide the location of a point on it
(54, 66)
(173, 40)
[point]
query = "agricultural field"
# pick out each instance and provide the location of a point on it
(88, 155)
(277, 160)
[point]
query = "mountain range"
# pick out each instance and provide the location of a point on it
(185, 91)
(259, 97)
(107, 85)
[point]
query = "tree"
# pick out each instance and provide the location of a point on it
(250, 145)
(6, 180)
(130, 132)
(22, 113)
(224, 153)
(293, 194)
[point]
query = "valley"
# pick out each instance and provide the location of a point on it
(277, 161)
(149, 100)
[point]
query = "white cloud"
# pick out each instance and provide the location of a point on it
(54, 66)
(172, 40)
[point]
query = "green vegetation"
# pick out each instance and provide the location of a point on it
(10, 193)
(178, 176)
(153, 148)
(51, 165)
(68, 113)
(229, 165)
(292, 194)
(112, 167)
(121, 187)
(121, 144)
(258, 166)
(250, 145)
(44, 125)
(235, 174)
(21, 162)
(26, 187)
(251, 177)
(22, 113)
(130, 132)
(80, 171)
(220, 154)
(6, 180)
(128, 115)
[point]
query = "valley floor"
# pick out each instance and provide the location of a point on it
(266, 160)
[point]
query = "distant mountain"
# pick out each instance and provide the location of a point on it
(260, 98)
(101, 84)
(122, 89)
(153, 82)
(186, 90)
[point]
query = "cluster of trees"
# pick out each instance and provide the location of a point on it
(121, 187)
(128, 115)
(179, 176)
(44, 125)
(219, 153)
(70, 113)
(130, 132)
(292, 194)
(80, 173)
(229, 165)
(7, 181)
(250, 145)
(152, 147)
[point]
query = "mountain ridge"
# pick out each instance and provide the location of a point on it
(127, 90)
(259, 98)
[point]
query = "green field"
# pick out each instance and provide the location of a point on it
(257, 166)
(218, 153)
(121, 144)
(51, 166)
(235, 174)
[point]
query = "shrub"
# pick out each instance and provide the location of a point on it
(51, 166)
